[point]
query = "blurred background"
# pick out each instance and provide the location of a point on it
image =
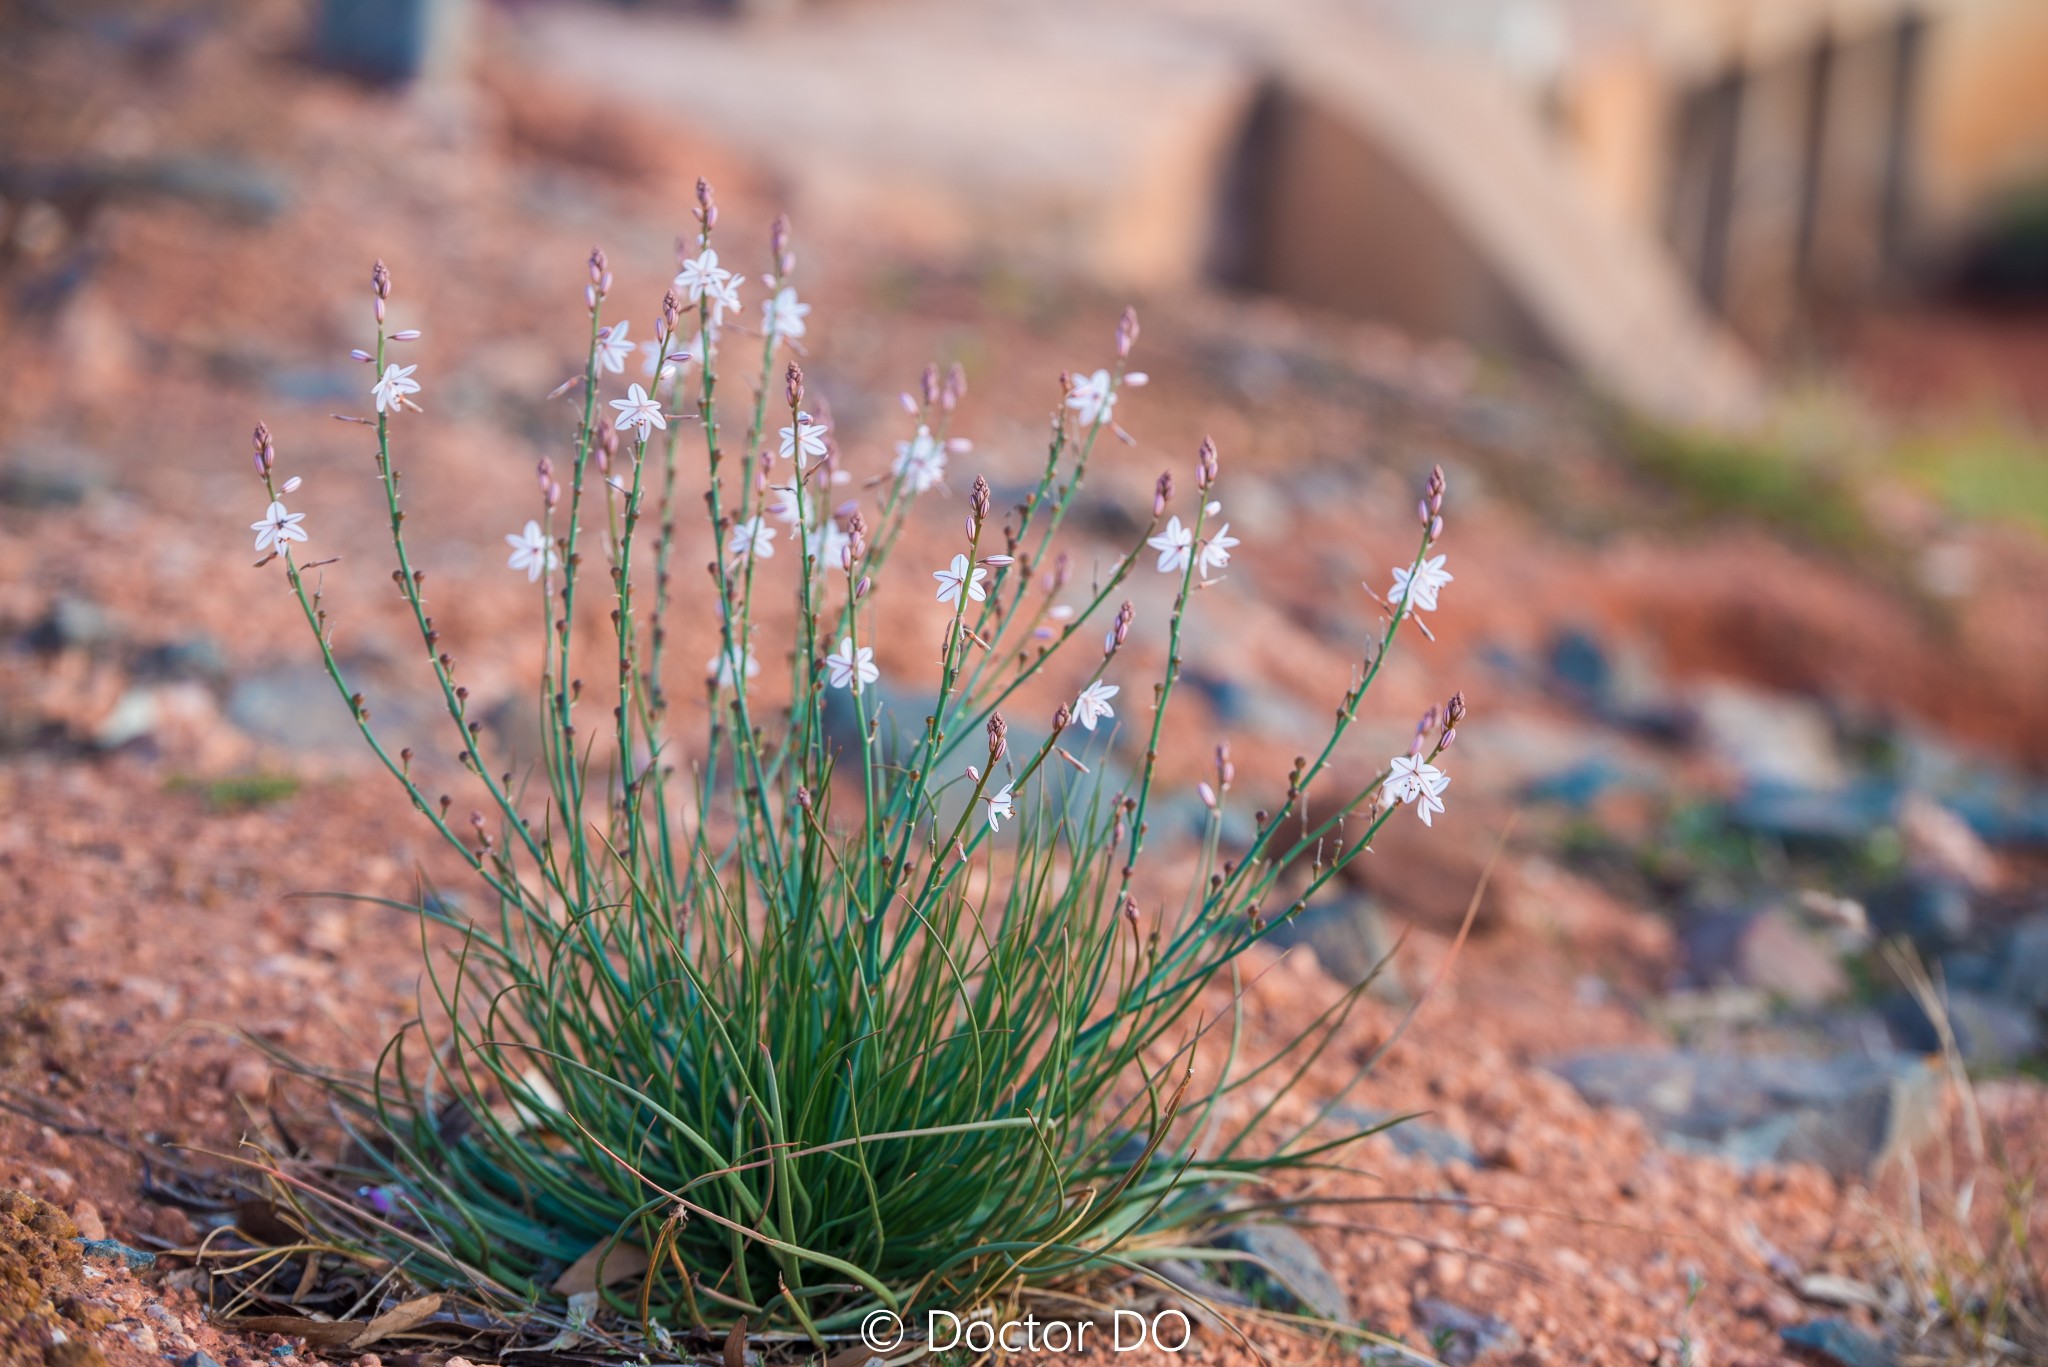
(1727, 318)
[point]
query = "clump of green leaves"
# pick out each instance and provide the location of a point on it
(791, 1024)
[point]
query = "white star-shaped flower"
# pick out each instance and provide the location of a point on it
(277, 526)
(1092, 397)
(725, 298)
(827, 544)
(1172, 545)
(806, 440)
(783, 314)
(1411, 778)
(394, 386)
(1093, 704)
(1215, 552)
(1000, 804)
(951, 578)
(614, 347)
(850, 668)
(921, 461)
(701, 273)
(783, 505)
(532, 551)
(752, 537)
(638, 410)
(1420, 585)
(720, 668)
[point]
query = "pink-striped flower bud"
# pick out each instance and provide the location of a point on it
(1126, 333)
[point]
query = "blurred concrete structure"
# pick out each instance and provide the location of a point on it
(1296, 147)
(1801, 156)
(1600, 182)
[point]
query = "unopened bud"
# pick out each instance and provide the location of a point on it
(358, 354)
(598, 265)
(803, 797)
(778, 244)
(929, 381)
(707, 207)
(1060, 717)
(380, 280)
(1208, 795)
(1205, 464)
(406, 335)
(979, 499)
(1162, 492)
(1454, 710)
(1126, 333)
(998, 737)
(793, 386)
(671, 312)
(860, 590)
(997, 562)
(956, 386)
(266, 453)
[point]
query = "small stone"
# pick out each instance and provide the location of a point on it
(114, 1251)
(1351, 941)
(1838, 1342)
(1989, 1031)
(174, 1227)
(86, 1216)
(199, 1358)
(1931, 910)
(1293, 1270)
(249, 1077)
(2025, 975)
(1414, 1138)
(1462, 1336)
(74, 623)
(1766, 950)
(49, 481)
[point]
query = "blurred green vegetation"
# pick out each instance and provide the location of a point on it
(238, 792)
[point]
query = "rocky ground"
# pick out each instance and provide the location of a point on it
(1679, 1101)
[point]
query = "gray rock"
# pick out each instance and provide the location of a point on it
(1351, 941)
(191, 657)
(74, 623)
(1798, 812)
(1847, 1114)
(1247, 704)
(2024, 978)
(114, 1251)
(1190, 1277)
(1771, 738)
(1580, 668)
(293, 705)
(34, 480)
(1838, 1342)
(1990, 1031)
(198, 1359)
(1415, 1138)
(389, 41)
(1292, 1272)
(1930, 910)
(1460, 1336)
(1766, 950)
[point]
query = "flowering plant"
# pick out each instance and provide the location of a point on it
(839, 1010)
